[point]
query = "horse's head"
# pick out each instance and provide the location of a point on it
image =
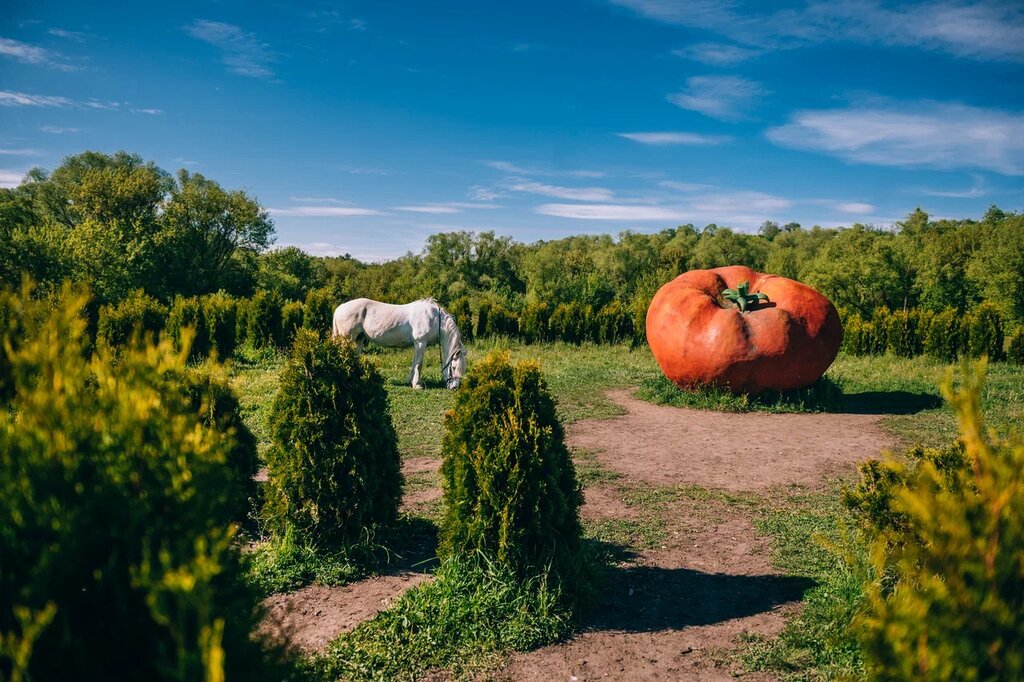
(454, 353)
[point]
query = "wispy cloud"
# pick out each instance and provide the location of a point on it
(242, 52)
(978, 189)
(570, 193)
(151, 112)
(77, 36)
(10, 178)
(717, 54)
(911, 134)
(366, 170)
(670, 138)
(447, 207)
(728, 98)
(611, 212)
(9, 98)
(855, 207)
(515, 169)
(685, 186)
(20, 152)
(324, 211)
(988, 30)
(32, 54)
(57, 130)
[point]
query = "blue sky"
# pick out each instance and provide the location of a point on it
(365, 127)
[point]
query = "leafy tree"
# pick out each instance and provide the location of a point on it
(290, 272)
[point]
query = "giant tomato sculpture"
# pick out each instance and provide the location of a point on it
(742, 330)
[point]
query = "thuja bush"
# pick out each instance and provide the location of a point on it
(220, 311)
(462, 310)
(483, 318)
(613, 324)
(947, 546)
(319, 311)
(572, 322)
(187, 313)
(137, 313)
(334, 468)
(944, 337)
(903, 331)
(986, 332)
(119, 552)
(291, 321)
(510, 490)
(262, 320)
(533, 322)
(503, 322)
(1015, 353)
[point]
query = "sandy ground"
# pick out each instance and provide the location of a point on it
(672, 613)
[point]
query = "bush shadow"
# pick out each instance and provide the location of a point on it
(411, 546)
(649, 599)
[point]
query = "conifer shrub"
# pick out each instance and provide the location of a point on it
(613, 324)
(639, 311)
(221, 314)
(902, 331)
(291, 320)
(533, 322)
(334, 468)
(462, 310)
(944, 335)
(510, 489)
(572, 322)
(986, 332)
(262, 320)
(187, 313)
(483, 319)
(1015, 353)
(946, 547)
(116, 510)
(319, 312)
(137, 313)
(502, 321)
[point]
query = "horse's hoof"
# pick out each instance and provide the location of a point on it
(417, 387)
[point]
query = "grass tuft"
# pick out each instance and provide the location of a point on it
(822, 396)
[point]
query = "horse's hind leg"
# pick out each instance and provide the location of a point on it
(417, 362)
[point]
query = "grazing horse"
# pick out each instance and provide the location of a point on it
(418, 324)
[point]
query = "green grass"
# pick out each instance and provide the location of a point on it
(461, 622)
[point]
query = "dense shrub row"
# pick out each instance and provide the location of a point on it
(945, 335)
(569, 322)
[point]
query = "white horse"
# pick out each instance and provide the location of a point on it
(418, 324)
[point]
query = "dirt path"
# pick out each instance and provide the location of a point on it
(678, 609)
(734, 452)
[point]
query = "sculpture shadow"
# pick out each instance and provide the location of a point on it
(887, 402)
(650, 599)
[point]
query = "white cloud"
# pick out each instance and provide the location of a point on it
(324, 211)
(976, 190)
(729, 202)
(514, 169)
(57, 130)
(610, 212)
(9, 98)
(912, 134)
(10, 178)
(669, 138)
(571, 193)
(151, 112)
(20, 152)
(241, 52)
(685, 186)
(429, 208)
(77, 36)
(987, 29)
(32, 54)
(855, 207)
(717, 54)
(321, 200)
(481, 193)
(724, 97)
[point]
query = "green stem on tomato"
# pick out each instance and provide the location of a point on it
(742, 297)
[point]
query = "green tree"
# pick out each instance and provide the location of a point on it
(290, 272)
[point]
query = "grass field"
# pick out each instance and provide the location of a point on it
(905, 391)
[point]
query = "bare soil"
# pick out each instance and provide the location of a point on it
(676, 612)
(742, 452)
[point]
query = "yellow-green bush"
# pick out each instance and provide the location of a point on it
(116, 533)
(613, 324)
(904, 332)
(986, 332)
(510, 489)
(944, 337)
(259, 320)
(533, 322)
(948, 545)
(1015, 353)
(187, 313)
(483, 318)
(137, 313)
(319, 312)
(221, 314)
(571, 322)
(333, 463)
(291, 320)
(462, 310)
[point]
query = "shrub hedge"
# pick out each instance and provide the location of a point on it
(137, 313)
(187, 313)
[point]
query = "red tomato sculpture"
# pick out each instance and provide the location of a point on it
(742, 330)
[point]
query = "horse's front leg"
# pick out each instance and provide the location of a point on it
(417, 362)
